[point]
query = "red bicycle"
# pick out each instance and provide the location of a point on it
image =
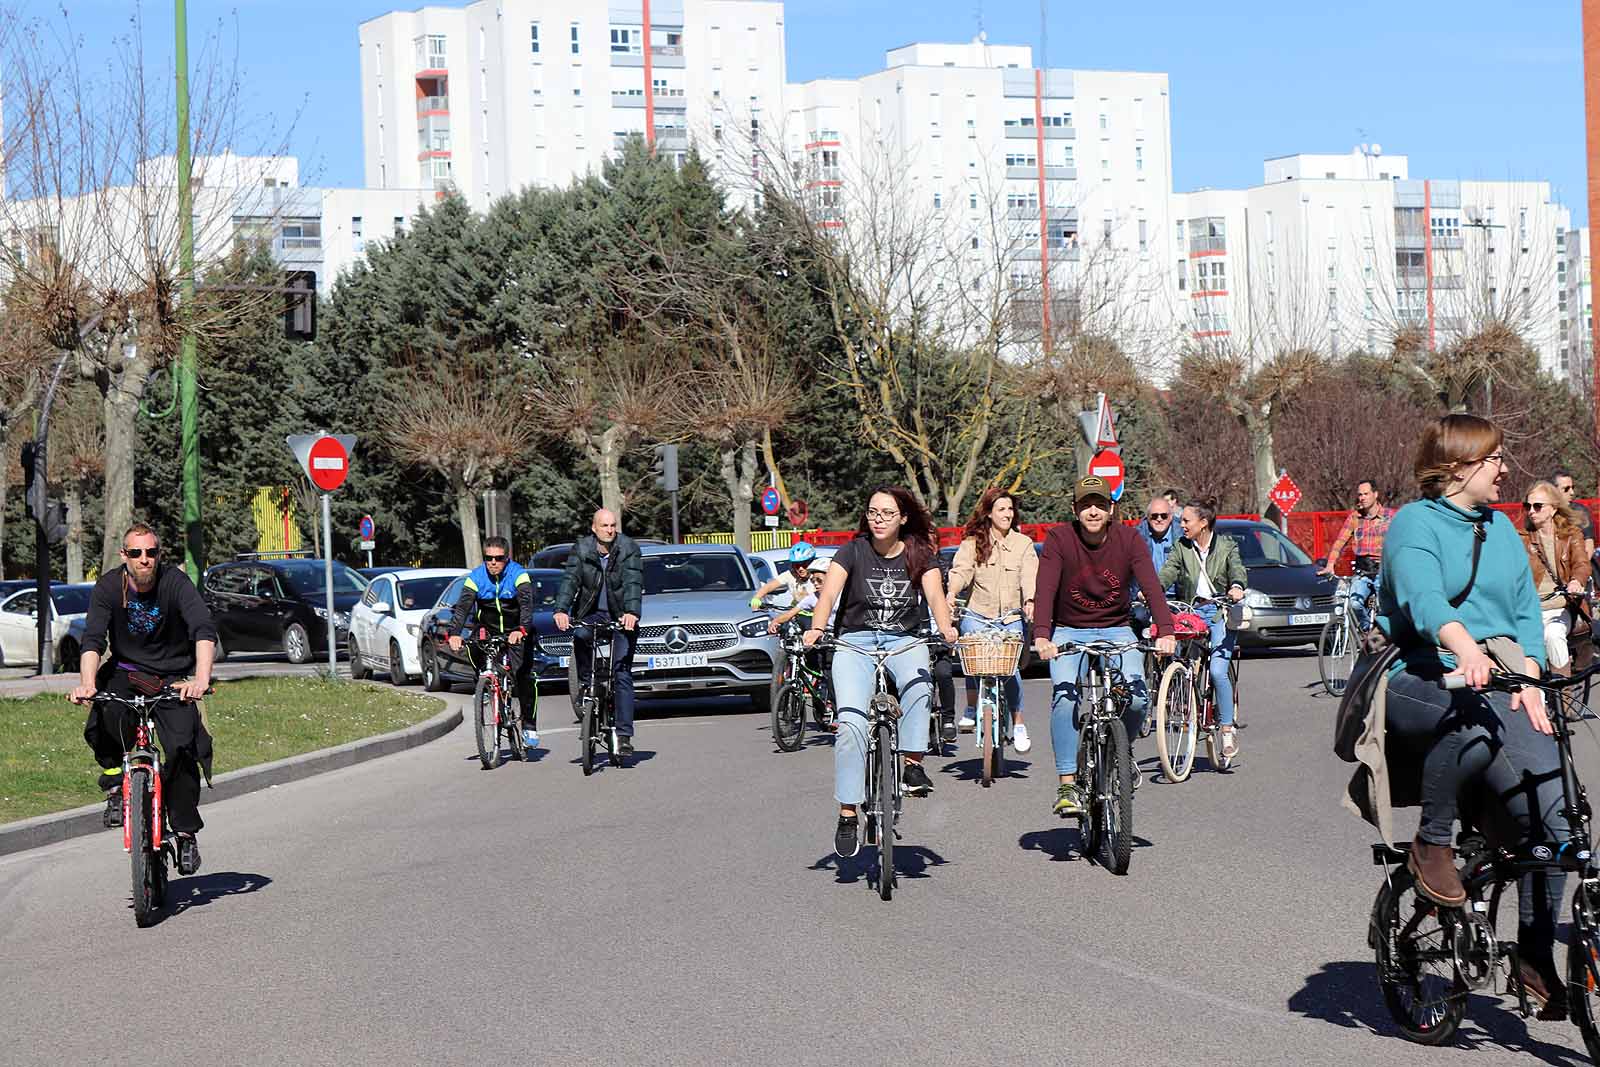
(144, 835)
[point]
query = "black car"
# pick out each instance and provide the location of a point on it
(278, 605)
(555, 556)
(442, 668)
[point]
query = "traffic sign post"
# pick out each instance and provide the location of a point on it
(770, 502)
(325, 458)
(368, 542)
(1285, 494)
(1108, 465)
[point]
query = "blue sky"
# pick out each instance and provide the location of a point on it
(1467, 89)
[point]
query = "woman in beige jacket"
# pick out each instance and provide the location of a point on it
(1000, 566)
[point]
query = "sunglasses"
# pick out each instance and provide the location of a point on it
(495, 559)
(1159, 515)
(1532, 506)
(135, 553)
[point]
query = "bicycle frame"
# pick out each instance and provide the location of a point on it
(143, 754)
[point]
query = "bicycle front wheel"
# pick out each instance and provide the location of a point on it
(141, 861)
(987, 730)
(888, 759)
(1583, 983)
(586, 738)
(1115, 786)
(486, 723)
(1336, 653)
(788, 718)
(1176, 724)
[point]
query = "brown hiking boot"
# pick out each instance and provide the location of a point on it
(1545, 992)
(1435, 869)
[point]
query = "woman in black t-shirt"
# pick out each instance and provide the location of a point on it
(885, 581)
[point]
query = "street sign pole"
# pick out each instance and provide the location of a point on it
(327, 567)
(188, 398)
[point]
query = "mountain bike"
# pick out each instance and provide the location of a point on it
(1186, 702)
(1105, 754)
(1431, 958)
(991, 656)
(803, 692)
(1342, 635)
(495, 695)
(144, 835)
(880, 811)
(595, 703)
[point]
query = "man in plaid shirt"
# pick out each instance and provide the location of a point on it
(1365, 526)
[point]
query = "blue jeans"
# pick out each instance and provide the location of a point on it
(1362, 587)
(1065, 671)
(622, 657)
(854, 678)
(972, 623)
(1224, 646)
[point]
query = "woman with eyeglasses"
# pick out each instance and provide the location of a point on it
(1554, 543)
(885, 582)
(1457, 598)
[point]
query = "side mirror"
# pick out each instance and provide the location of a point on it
(383, 609)
(1322, 561)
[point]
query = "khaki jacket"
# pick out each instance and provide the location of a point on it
(1004, 583)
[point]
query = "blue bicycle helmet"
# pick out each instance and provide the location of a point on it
(801, 552)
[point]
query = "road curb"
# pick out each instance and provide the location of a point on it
(65, 825)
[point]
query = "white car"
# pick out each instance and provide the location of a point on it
(19, 625)
(384, 623)
(772, 562)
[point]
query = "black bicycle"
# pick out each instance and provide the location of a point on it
(1105, 754)
(596, 706)
(145, 837)
(1431, 958)
(803, 692)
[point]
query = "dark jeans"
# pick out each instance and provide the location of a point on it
(110, 733)
(622, 659)
(944, 683)
(522, 672)
(1475, 740)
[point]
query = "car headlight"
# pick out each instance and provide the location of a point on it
(413, 629)
(754, 627)
(342, 620)
(1257, 599)
(321, 613)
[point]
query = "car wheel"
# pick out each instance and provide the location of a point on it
(358, 666)
(397, 666)
(67, 656)
(432, 677)
(297, 644)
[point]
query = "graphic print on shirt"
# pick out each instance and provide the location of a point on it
(889, 596)
(143, 618)
(1088, 598)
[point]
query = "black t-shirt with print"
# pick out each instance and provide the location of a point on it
(879, 594)
(153, 631)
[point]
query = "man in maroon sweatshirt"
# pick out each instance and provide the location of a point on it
(1087, 572)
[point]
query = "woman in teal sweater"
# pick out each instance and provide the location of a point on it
(1441, 615)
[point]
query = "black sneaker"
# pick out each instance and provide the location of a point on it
(113, 815)
(188, 855)
(914, 780)
(625, 745)
(847, 839)
(947, 728)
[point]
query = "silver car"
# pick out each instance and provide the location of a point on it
(697, 634)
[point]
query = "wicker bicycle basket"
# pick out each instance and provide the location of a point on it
(988, 655)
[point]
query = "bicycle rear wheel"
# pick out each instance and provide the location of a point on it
(1416, 967)
(486, 723)
(788, 718)
(141, 859)
(1336, 649)
(888, 758)
(586, 738)
(988, 729)
(1583, 981)
(1115, 787)
(1176, 724)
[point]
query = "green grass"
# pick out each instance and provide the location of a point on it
(45, 765)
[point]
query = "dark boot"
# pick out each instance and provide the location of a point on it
(1545, 990)
(1435, 869)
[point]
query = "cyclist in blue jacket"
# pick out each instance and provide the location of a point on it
(498, 598)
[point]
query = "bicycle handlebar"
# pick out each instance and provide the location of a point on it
(1509, 681)
(139, 700)
(1104, 648)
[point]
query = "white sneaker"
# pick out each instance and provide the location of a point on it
(966, 722)
(1019, 738)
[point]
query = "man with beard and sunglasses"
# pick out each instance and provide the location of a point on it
(160, 633)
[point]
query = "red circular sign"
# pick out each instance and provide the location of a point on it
(798, 512)
(328, 462)
(1108, 465)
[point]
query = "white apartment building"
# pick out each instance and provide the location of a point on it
(1077, 162)
(1337, 253)
(1576, 311)
(501, 94)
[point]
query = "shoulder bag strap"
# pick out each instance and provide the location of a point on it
(1480, 534)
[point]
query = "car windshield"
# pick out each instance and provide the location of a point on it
(1262, 546)
(689, 572)
(306, 578)
(422, 592)
(71, 601)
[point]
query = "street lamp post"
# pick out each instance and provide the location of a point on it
(188, 400)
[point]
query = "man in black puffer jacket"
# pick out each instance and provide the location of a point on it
(604, 582)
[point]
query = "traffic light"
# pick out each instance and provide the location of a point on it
(300, 306)
(50, 514)
(665, 468)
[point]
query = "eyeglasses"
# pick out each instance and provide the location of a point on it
(494, 559)
(879, 513)
(1497, 458)
(1159, 515)
(1534, 505)
(135, 553)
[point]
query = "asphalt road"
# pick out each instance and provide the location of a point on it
(689, 909)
